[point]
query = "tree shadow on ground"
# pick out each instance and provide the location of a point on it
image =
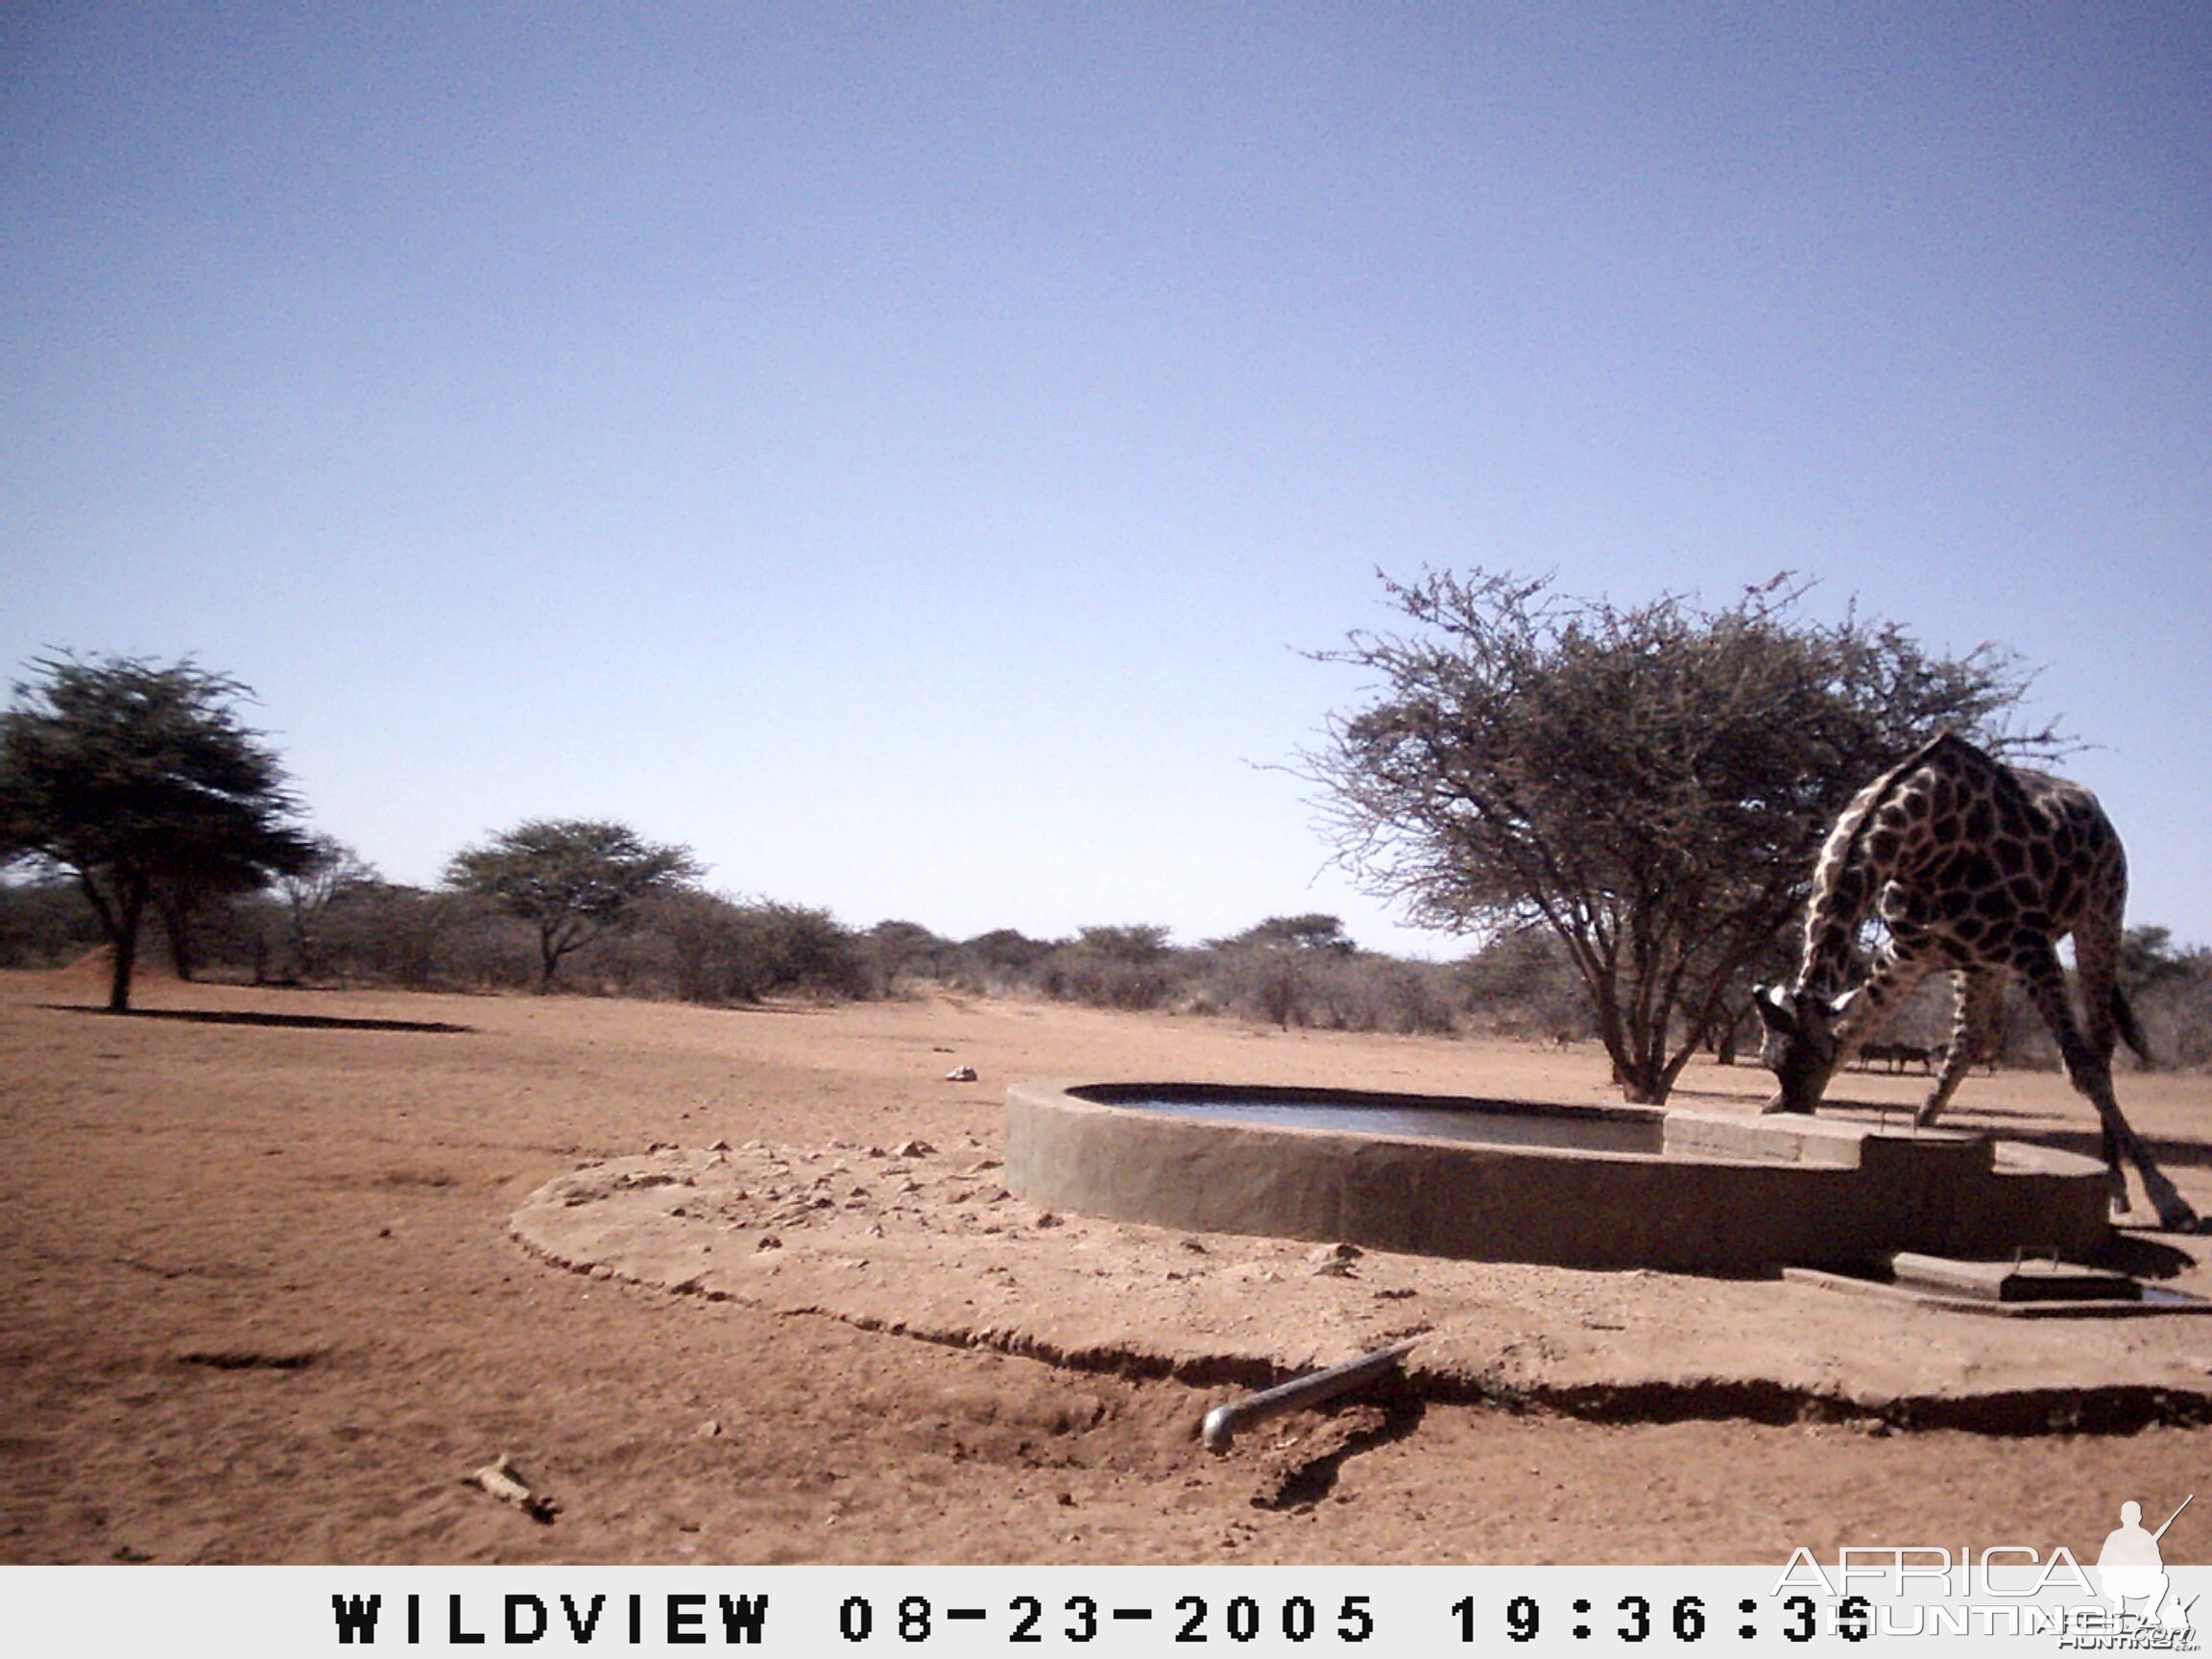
(244, 1016)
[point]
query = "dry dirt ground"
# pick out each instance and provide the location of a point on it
(265, 1302)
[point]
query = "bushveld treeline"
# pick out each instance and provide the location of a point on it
(688, 944)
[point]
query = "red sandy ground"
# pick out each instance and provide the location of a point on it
(262, 1305)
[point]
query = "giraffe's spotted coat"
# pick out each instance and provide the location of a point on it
(1979, 869)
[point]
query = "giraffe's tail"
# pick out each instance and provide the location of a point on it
(2130, 1033)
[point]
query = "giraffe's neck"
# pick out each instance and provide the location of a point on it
(1849, 874)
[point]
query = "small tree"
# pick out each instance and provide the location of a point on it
(1651, 783)
(141, 782)
(333, 871)
(1310, 932)
(1272, 964)
(906, 948)
(570, 879)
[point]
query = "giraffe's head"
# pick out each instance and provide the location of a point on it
(1800, 1041)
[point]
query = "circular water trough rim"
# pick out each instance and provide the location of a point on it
(1716, 1191)
(1139, 1098)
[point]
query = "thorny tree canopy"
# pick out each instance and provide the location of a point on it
(1650, 783)
(570, 878)
(141, 779)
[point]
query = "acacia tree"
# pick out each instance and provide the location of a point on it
(1651, 783)
(140, 781)
(572, 879)
(1313, 932)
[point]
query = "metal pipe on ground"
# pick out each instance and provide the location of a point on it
(1221, 1424)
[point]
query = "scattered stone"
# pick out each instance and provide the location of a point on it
(1334, 1261)
(917, 1149)
(504, 1482)
(769, 1241)
(719, 1145)
(1049, 1219)
(631, 1179)
(961, 1075)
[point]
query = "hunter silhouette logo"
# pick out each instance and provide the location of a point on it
(2131, 1567)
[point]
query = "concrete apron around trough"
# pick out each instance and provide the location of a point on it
(930, 1243)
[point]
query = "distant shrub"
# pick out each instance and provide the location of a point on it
(418, 939)
(1129, 968)
(2171, 991)
(1520, 984)
(899, 954)
(724, 951)
(1329, 989)
(45, 922)
(996, 963)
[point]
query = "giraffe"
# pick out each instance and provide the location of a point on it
(1978, 869)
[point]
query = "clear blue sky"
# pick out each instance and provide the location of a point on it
(902, 450)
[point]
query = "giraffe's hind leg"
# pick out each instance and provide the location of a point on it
(2091, 1073)
(1979, 995)
(2096, 964)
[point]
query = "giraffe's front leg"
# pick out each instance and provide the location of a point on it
(1895, 973)
(1980, 996)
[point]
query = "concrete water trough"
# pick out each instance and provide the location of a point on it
(1610, 1186)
